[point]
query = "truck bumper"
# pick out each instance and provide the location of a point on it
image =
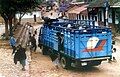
(91, 61)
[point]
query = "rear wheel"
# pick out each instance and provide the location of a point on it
(65, 63)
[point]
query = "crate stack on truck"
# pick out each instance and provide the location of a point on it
(78, 42)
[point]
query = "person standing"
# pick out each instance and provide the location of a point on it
(35, 32)
(114, 54)
(31, 29)
(20, 56)
(12, 42)
(33, 43)
(29, 37)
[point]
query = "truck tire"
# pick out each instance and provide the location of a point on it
(65, 63)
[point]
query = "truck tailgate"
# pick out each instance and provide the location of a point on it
(93, 45)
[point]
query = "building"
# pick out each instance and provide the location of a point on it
(78, 11)
(97, 10)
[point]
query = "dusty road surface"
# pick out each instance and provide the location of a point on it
(7, 66)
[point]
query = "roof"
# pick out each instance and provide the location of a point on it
(101, 3)
(72, 8)
(78, 10)
(116, 5)
(75, 5)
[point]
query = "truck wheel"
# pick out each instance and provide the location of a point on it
(65, 63)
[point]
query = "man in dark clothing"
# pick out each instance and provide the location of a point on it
(33, 43)
(20, 56)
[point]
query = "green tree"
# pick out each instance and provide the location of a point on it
(28, 7)
(8, 9)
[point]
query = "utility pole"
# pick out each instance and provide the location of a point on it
(106, 12)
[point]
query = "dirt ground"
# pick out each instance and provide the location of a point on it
(7, 66)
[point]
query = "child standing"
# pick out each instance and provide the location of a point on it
(114, 54)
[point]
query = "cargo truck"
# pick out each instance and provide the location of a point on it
(78, 42)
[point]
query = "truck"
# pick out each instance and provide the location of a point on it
(78, 42)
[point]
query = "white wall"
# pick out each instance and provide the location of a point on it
(30, 15)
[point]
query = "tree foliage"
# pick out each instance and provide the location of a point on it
(8, 9)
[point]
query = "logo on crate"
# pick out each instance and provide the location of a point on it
(94, 44)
